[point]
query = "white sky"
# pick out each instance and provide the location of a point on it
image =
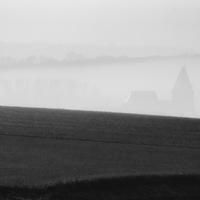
(134, 22)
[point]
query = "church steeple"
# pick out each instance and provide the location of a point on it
(183, 83)
(183, 94)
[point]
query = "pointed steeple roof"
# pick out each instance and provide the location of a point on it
(183, 82)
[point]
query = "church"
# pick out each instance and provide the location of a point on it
(182, 102)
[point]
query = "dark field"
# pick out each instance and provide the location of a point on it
(120, 188)
(40, 146)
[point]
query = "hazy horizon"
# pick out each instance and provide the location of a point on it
(49, 33)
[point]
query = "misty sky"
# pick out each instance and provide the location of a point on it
(134, 22)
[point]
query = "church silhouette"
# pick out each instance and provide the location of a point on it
(181, 104)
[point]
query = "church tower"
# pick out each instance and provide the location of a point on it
(183, 94)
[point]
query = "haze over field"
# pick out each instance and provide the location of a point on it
(106, 87)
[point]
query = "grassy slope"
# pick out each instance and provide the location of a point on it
(39, 146)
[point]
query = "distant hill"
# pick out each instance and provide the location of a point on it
(79, 60)
(22, 50)
(18, 55)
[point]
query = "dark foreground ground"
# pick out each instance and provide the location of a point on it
(125, 188)
(39, 147)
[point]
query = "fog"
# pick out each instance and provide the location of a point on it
(139, 22)
(95, 54)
